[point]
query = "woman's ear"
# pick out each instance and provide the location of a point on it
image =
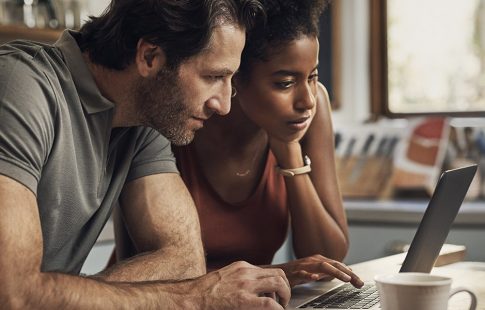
(149, 58)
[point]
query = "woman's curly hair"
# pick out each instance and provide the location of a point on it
(286, 20)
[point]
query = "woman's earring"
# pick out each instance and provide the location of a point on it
(234, 92)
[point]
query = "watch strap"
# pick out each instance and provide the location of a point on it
(296, 171)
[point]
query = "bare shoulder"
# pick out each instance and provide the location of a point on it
(323, 100)
(323, 113)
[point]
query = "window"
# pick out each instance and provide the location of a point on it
(428, 57)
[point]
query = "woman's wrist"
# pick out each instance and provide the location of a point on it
(291, 172)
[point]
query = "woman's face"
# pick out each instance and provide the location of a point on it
(279, 95)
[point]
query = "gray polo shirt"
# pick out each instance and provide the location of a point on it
(56, 139)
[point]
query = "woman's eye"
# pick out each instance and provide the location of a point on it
(285, 84)
(313, 77)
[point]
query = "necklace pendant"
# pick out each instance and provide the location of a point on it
(243, 174)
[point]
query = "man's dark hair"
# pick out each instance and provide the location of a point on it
(286, 20)
(182, 28)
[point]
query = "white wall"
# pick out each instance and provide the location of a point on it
(355, 83)
(96, 7)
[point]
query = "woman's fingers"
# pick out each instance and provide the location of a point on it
(305, 275)
(338, 273)
(334, 269)
(355, 280)
(317, 267)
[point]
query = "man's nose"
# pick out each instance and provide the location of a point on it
(221, 103)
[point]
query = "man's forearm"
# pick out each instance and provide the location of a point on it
(167, 264)
(59, 291)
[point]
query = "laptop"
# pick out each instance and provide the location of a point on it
(423, 251)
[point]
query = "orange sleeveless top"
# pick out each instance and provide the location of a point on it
(252, 230)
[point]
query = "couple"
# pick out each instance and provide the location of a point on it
(88, 122)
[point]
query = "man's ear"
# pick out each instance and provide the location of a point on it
(149, 58)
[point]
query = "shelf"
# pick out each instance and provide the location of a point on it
(12, 32)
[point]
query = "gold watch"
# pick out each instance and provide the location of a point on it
(295, 171)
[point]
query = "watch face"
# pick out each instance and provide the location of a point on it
(307, 160)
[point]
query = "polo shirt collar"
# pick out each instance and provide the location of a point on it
(91, 98)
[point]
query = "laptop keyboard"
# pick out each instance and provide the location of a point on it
(346, 297)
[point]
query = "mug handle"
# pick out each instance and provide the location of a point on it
(473, 304)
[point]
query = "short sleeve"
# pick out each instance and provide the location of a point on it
(153, 155)
(26, 118)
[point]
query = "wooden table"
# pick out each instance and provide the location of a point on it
(471, 279)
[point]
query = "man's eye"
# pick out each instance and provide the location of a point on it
(216, 77)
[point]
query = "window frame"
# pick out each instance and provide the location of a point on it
(379, 93)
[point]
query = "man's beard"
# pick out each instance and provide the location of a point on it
(161, 105)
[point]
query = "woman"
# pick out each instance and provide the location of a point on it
(239, 167)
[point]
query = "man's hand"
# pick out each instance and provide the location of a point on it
(244, 286)
(318, 267)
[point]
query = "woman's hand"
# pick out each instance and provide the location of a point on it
(318, 267)
(288, 154)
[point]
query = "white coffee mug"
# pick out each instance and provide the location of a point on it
(417, 291)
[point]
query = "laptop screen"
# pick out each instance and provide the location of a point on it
(438, 218)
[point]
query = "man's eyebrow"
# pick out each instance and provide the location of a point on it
(222, 71)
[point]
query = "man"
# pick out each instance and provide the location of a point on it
(76, 137)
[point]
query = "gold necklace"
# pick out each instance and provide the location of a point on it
(251, 165)
(243, 174)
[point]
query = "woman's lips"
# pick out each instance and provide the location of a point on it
(299, 124)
